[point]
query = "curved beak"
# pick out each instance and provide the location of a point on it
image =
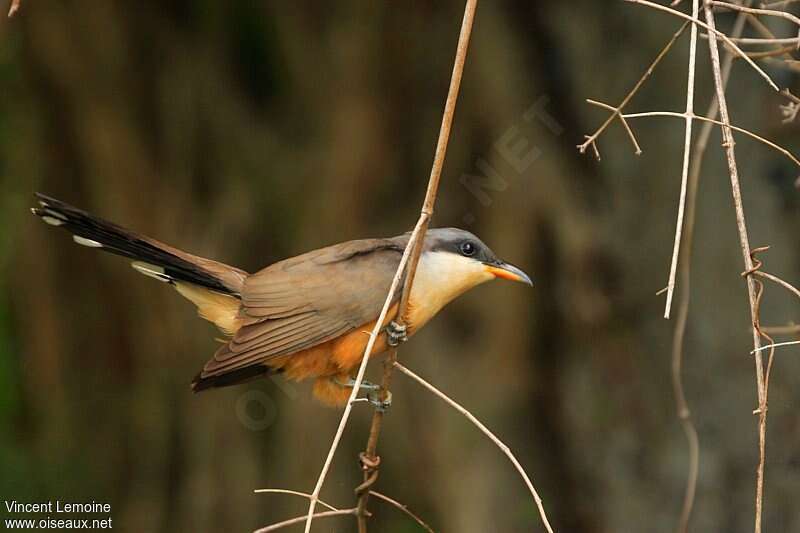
(507, 271)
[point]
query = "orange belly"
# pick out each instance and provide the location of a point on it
(337, 358)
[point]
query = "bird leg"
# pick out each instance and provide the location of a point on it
(365, 385)
(396, 333)
(382, 405)
(373, 392)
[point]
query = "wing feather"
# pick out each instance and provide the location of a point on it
(308, 300)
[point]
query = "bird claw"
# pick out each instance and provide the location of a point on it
(396, 333)
(373, 393)
(381, 405)
(365, 385)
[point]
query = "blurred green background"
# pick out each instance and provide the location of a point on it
(252, 131)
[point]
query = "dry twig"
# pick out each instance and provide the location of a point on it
(369, 461)
(403, 508)
(300, 519)
(687, 150)
(295, 493)
(500, 444)
(407, 268)
(679, 332)
(712, 30)
(591, 140)
(752, 292)
(674, 114)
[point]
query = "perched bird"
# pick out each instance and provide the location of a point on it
(308, 316)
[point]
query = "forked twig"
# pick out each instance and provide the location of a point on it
(591, 140)
(675, 114)
(712, 31)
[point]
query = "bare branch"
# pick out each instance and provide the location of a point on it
(369, 461)
(591, 140)
(749, 133)
(687, 150)
(679, 332)
(712, 30)
(295, 493)
(500, 444)
(403, 508)
(733, 171)
(775, 279)
(776, 345)
(760, 40)
(754, 11)
(360, 375)
(301, 519)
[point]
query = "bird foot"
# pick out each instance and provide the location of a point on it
(396, 333)
(373, 393)
(380, 404)
(365, 385)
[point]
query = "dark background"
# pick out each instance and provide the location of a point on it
(252, 131)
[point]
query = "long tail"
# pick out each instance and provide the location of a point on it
(152, 258)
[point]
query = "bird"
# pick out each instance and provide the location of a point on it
(306, 317)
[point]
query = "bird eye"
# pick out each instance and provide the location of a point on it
(468, 249)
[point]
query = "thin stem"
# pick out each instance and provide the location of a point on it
(750, 134)
(775, 279)
(679, 333)
(754, 11)
(741, 224)
(295, 493)
(591, 140)
(359, 377)
(299, 519)
(415, 247)
(712, 32)
(477, 423)
(687, 152)
(403, 508)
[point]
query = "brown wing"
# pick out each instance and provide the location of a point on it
(308, 300)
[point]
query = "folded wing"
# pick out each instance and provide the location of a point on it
(308, 300)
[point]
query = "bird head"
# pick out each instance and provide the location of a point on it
(463, 253)
(454, 261)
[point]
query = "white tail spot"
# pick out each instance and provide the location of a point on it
(86, 242)
(52, 220)
(152, 271)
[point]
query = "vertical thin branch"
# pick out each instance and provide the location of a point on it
(687, 152)
(730, 151)
(371, 473)
(679, 333)
(410, 255)
(359, 378)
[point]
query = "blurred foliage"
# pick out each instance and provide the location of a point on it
(252, 131)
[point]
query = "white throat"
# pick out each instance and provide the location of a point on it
(441, 277)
